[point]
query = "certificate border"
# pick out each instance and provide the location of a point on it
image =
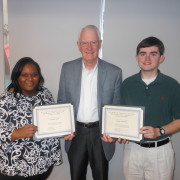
(138, 137)
(37, 109)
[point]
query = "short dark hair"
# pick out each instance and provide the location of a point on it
(17, 71)
(149, 42)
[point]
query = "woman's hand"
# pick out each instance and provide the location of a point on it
(25, 132)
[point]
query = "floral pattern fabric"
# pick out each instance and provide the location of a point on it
(25, 156)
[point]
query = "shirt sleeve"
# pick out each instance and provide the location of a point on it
(6, 127)
(176, 103)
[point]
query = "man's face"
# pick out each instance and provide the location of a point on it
(89, 45)
(149, 59)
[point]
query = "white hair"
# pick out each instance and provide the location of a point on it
(90, 27)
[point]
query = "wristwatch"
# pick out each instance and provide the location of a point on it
(161, 130)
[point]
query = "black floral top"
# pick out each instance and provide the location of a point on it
(25, 156)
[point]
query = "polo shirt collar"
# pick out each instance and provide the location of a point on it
(157, 80)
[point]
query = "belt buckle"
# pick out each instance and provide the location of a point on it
(149, 145)
(85, 125)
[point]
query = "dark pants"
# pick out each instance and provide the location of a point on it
(87, 147)
(43, 176)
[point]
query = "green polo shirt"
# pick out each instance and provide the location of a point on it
(161, 99)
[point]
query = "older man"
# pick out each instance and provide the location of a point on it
(89, 83)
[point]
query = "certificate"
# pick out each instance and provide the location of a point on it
(123, 121)
(53, 120)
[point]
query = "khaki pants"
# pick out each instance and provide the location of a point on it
(141, 163)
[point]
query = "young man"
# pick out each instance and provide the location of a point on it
(160, 95)
(89, 83)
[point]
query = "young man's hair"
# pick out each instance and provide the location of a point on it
(149, 42)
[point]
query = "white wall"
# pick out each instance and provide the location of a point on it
(128, 22)
(47, 31)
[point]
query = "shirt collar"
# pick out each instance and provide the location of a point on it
(157, 80)
(84, 68)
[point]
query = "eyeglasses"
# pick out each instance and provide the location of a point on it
(86, 43)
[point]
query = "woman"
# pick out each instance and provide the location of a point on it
(21, 157)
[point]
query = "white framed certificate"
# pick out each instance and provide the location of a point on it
(55, 120)
(123, 121)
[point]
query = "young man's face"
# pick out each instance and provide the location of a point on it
(149, 59)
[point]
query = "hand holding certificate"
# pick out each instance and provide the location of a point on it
(53, 120)
(123, 122)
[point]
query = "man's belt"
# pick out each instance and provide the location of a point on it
(88, 125)
(154, 144)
